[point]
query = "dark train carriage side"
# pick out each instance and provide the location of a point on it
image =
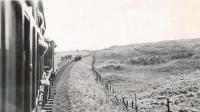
(49, 55)
(22, 56)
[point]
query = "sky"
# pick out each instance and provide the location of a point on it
(98, 24)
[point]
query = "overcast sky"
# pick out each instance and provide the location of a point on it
(97, 24)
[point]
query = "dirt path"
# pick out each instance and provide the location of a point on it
(77, 90)
(61, 100)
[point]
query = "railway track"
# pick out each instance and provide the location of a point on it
(48, 107)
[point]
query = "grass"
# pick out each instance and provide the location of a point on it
(153, 71)
(77, 90)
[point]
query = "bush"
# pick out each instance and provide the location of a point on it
(182, 55)
(146, 61)
(117, 67)
(112, 61)
(196, 57)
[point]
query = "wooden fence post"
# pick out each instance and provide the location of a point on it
(100, 78)
(116, 99)
(136, 108)
(127, 105)
(168, 107)
(123, 101)
(132, 104)
(106, 86)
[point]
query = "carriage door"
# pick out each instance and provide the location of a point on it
(28, 66)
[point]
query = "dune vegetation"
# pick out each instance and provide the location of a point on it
(155, 71)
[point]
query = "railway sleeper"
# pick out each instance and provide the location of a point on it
(49, 104)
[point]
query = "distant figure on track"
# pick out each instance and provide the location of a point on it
(77, 58)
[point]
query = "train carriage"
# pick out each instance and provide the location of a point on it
(24, 54)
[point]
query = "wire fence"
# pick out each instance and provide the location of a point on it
(130, 105)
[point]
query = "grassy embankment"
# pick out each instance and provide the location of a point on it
(154, 71)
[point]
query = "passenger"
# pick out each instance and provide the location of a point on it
(44, 80)
(42, 46)
(45, 77)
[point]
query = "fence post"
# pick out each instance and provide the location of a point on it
(168, 107)
(100, 78)
(136, 108)
(127, 105)
(132, 104)
(123, 101)
(106, 85)
(116, 99)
